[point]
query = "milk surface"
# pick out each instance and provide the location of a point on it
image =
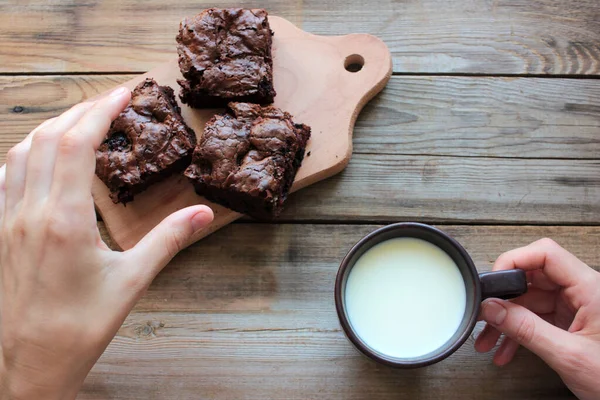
(405, 297)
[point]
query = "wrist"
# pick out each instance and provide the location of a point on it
(19, 386)
(25, 391)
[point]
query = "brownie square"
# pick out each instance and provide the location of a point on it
(147, 142)
(225, 55)
(247, 159)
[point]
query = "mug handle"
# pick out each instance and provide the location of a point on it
(503, 284)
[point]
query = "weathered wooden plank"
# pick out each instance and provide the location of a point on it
(378, 187)
(480, 36)
(94, 35)
(492, 117)
(283, 356)
(262, 267)
(473, 37)
(27, 101)
(495, 117)
(383, 183)
(258, 321)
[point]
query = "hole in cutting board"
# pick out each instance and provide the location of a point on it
(354, 63)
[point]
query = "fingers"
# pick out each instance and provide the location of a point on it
(487, 339)
(2, 189)
(537, 300)
(526, 329)
(16, 166)
(506, 352)
(539, 280)
(14, 177)
(562, 267)
(75, 165)
(42, 156)
(95, 123)
(161, 244)
(541, 302)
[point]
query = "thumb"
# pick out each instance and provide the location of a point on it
(527, 329)
(161, 244)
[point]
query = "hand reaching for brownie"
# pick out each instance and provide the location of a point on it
(63, 293)
(247, 158)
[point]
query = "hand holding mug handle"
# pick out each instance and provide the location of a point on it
(558, 318)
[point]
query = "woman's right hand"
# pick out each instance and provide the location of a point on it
(558, 319)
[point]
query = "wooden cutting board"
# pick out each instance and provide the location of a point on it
(313, 83)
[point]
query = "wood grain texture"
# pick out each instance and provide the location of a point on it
(483, 117)
(433, 36)
(248, 313)
(303, 355)
(381, 187)
(242, 267)
(389, 180)
(312, 84)
(453, 116)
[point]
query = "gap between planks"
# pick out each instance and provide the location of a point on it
(433, 221)
(437, 222)
(417, 74)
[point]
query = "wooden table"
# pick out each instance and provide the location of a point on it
(489, 129)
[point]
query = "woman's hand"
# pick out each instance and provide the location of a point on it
(558, 319)
(63, 293)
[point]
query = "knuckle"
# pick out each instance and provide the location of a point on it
(15, 153)
(18, 229)
(72, 225)
(503, 258)
(80, 106)
(548, 243)
(59, 230)
(42, 136)
(71, 144)
(525, 329)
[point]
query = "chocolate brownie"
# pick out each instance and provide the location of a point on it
(248, 157)
(225, 55)
(148, 141)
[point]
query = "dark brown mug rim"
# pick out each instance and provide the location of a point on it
(394, 361)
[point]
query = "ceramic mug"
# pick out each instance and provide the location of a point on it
(500, 284)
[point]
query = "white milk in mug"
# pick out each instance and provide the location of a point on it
(405, 297)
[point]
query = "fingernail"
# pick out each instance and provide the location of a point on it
(199, 221)
(493, 312)
(119, 92)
